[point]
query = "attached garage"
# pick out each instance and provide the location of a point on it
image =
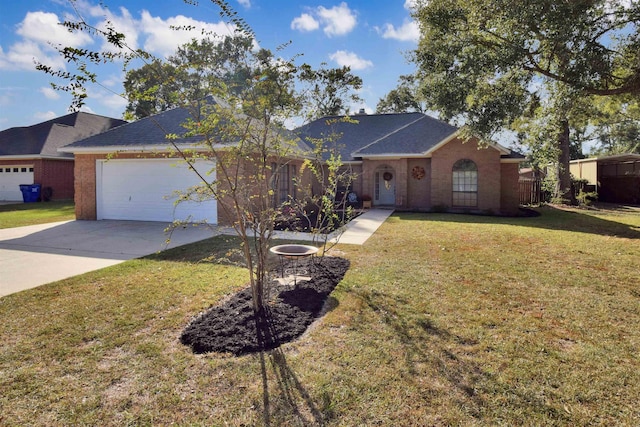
(11, 177)
(144, 190)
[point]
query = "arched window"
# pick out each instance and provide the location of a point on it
(465, 184)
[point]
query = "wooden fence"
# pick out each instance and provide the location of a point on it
(530, 191)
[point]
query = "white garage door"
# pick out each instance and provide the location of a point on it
(11, 177)
(142, 190)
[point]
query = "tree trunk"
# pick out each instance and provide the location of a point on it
(563, 182)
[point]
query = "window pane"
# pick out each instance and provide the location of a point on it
(465, 183)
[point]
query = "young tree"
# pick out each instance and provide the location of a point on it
(484, 62)
(238, 98)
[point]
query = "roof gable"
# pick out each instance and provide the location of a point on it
(44, 139)
(417, 138)
(387, 135)
(380, 134)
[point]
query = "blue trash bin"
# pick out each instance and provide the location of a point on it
(30, 192)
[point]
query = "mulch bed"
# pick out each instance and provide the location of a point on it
(233, 327)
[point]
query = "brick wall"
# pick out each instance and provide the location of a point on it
(57, 174)
(510, 195)
(85, 185)
(399, 170)
(489, 171)
(419, 190)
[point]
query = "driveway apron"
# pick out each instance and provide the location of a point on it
(34, 255)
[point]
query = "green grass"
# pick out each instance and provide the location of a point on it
(22, 214)
(441, 320)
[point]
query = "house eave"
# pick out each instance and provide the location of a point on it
(160, 148)
(393, 156)
(34, 157)
(512, 160)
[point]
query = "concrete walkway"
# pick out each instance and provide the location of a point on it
(357, 231)
(34, 255)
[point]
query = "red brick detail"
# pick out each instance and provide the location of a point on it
(489, 170)
(419, 188)
(56, 174)
(509, 197)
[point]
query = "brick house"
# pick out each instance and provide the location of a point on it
(29, 155)
(406, 161)
(413, 161)
(133, 173)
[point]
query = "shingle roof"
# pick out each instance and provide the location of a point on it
(416, 137)
(152, 132)
(401, 134)
(148, 131)
(354, 136)
(44, 139)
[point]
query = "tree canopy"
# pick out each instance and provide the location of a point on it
(329, 91)
(490, 63)
(402, 99)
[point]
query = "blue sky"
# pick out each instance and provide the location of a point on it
(372, 36)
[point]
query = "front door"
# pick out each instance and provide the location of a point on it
(385, 187)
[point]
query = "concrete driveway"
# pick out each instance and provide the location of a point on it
(34, 255)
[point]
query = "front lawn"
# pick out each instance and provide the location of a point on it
(440, 320)
(18, 215)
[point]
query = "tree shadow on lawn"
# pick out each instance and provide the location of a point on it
(449, 356)
(546, 217)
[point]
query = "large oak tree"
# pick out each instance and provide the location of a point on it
(489, 63)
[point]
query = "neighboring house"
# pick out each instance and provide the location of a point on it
(29, 155)
(413, 161)
(616, 178)
(132, 173)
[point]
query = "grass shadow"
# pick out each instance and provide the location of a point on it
(292, 403)
(425, 343)
(550, 218)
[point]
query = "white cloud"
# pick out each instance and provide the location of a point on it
(113, 80)
(43, 116)
(245, 3)
(85, 108)
(408, 31)
(410, 4)
(43, 28)
(25, 54)
(5, 99)
(38, 31)
(49, 93)
(114, 102)
(305, 22)
(163, 40)
(350, 59)
(338, 21)
(123, 23)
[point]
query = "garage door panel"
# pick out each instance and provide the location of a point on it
(144, 190)
(11, 177)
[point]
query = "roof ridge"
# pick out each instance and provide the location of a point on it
(423, 116)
